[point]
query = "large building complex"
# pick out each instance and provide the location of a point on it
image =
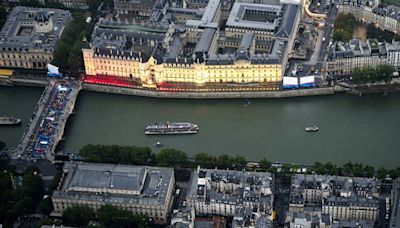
(344, 57)
(336, 198)
(138, 189)
(384, 17)
(194, 49)
(247, 196)
(29, 37)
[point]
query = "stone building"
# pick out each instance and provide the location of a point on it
(344, 57)
(138, 189)
(342, 198)
(197, 53)
(29, 37)
(248, 196)
(383, 17)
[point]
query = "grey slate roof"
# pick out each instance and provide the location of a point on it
(111, 178)
(285, 29)
(19, 31)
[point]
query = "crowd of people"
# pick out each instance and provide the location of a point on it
(52, 114)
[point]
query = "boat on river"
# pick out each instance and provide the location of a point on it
(171, 128)
(6, 120)
(312, 129)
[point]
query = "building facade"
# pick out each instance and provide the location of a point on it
(29, 37)
(231, 193)
(191, 50)
(383, 17)
(140, 190)
(338, 197)
(344, 57)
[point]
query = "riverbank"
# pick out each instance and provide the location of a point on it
(42, 82)
(210, 95)
(376, 88)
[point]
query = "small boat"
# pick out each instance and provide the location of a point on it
(385, 94)
(312, 129)
(158, 144)
(5, 120)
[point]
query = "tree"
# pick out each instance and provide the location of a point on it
(265, 165)
(172, 158)
(77, 216)
(385, 72)
(46, 206)
(344, 27)
(358, 170)
(3, 16)
(348, 169)
(238, 162)
(382, 173)
(2, 145)
(113, 217)
(205, 160)
(369, 171)
(331, 169)
(33, 184)
(224, 162)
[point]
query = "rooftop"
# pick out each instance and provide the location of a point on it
(115, 183)
(254, 187)
(254, 16)
(33, 28)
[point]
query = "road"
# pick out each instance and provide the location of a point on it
(318, 58)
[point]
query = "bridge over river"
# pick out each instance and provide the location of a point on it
(46, 126)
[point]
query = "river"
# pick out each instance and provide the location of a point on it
(357, 129)
(19, 102)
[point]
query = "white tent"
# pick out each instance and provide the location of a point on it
(290, 82)
(53, 71)
(307, 81)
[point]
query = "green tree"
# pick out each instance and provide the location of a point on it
(238, 162)
(3, 16)
(318, 168)
(172, 158)
(2, 145)
(344, 27)
(77, 216)
(114, 218)
(46, 206)
(265, 165)
(224, 162)
(358, 170)
(205, 160)
(348, 169)
(382, 173)
(369, 171)
(331, 169)
(385, 72)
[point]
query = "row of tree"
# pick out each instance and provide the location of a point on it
(135, 155)
(344, 27)
(107, 216)
(68, 54)
(381, 35)
(369, 74)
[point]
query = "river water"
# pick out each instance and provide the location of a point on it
(357, 129)
(19, 102)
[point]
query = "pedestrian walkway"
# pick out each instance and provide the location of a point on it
(46, 126)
